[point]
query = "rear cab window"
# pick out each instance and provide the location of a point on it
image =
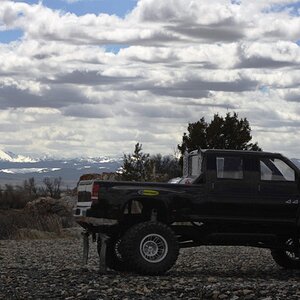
(229, 167)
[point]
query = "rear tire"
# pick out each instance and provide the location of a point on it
(114, 258)
(150, 248)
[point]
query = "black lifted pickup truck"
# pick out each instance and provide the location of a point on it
(225, 197)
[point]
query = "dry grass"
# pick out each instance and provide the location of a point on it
(34, 234)
(16, 224)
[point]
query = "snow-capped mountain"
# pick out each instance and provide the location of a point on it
(11, 157)
(14, 169)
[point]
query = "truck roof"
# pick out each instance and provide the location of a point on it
(244, 152)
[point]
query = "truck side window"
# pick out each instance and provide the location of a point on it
(230, 167)
(195, 163)
(276, 169)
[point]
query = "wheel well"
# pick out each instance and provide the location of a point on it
(144, 210)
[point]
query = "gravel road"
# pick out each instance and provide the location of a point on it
(50, 269)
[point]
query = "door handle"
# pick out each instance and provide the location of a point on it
(258, 187)
(213, 186)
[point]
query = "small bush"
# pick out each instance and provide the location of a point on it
(45, 206)
(17, 196)
(42, 217)
(24, 214)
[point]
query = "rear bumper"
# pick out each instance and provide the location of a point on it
(90, 218)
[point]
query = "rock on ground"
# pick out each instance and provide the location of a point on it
(50, 269)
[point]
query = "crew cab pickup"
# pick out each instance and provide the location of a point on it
(225, 197)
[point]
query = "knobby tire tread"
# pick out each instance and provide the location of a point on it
(131, 241)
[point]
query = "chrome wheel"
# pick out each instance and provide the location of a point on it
(154, 248)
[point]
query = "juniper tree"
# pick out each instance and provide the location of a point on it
(221, 133)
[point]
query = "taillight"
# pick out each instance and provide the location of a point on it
(95, 192)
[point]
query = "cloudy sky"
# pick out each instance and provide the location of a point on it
(93, 77)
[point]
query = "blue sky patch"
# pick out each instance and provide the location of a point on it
(294, 8)
(264, 89)
(10, 35)
(117, 7)
(114, 48)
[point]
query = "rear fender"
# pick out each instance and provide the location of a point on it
(142, 208)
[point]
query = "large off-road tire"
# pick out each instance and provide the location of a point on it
(150, 248)
(286, 258)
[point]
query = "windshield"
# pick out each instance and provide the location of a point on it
(296, 162)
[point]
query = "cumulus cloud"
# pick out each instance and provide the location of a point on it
(174, 61)
(54, 97)
(266, 55)
(85, 77)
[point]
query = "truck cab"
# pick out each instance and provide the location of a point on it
(260, 188)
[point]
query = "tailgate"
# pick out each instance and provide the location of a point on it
(84, 197)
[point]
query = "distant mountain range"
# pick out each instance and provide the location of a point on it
(14, 169)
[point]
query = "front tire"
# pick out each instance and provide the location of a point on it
(288, 259)
(150, 248)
